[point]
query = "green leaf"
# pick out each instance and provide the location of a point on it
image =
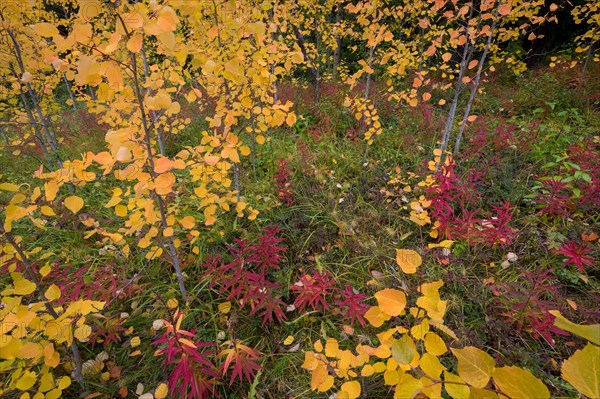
(402, 351)
(582, 370)
(515, 382)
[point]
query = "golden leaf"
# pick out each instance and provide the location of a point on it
(164, 183)
(224, 307)
(434, 344)
(26, 381)
(474, 366)
(52, 293)
(82, 332)
(161, 391)
(515, 382)
(391, 301)
(74, 203)
(45, 29)
(408, 260)
(589, 332)
(582, 370)
(376, 317)
(352, 388)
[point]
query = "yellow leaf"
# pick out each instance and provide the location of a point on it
(121, 210)
(515, 382)
(376, 317)
(288, 340)
(167, 19)
(442, 244)
(582, 370)
(27, 380)
(474, 366)
(187, 342)
(352, 388)
(188, 222)
(590, 332)
(22, 285)
(224, 307)
(45, 270)
(331, 347)
(161, 391)
(164, 183)
(408, 387)
(172, 303)
(47, 211)
(318, 346)
(408, 260)
(290, 119)
(74, 203)
(52, 293)
(135, 42)
(431, 366)
(326, 384)
(9, 187)
(45, 29)
(455, 386)
(434, 344)
(135, 341)
(391, 301)
(82, 332)
(367, 371)
(154, 253)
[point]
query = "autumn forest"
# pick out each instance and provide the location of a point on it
(333, 199)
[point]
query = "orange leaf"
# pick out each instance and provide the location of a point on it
(391, 301)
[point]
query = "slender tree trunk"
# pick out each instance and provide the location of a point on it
(34, 99)
(458, 88)
(474, 89)
(153, 114)
(368, 84)
(337, 52)
(150, 159)
(92, 93)
(4, 135)
(71, 96)
(590, 51)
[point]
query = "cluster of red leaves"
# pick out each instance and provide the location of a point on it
(453, 206)
(283, 183)
(194, 375)
(527, 303)
(352, 304)
(576, 254)
(241, 359)
(246, 276)
(313, 290)
(319, 289)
